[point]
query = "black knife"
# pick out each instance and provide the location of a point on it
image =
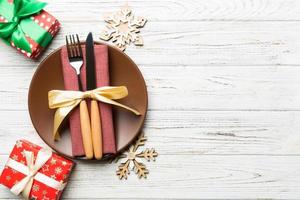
(90, 63)
(91, 84)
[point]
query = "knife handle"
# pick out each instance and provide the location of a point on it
(86, 130)
(96, 129)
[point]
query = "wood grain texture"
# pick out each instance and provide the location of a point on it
(195, 132)
(224, 99)
(203, 87)
(194, 177)
(96, 130)
(204, 43)
(188, 10)
(86, 130)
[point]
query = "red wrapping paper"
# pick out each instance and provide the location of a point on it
(56, 167)
(46, 21)
(102, 79)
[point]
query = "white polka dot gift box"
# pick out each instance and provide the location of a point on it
(26, 26)
(36, 173)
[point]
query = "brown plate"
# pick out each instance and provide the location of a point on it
(123, 71)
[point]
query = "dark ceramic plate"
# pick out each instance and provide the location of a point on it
(123, 71)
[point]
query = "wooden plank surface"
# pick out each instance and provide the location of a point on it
(195, 132)
(201, 87)
(224, 111)
(198, 43)
(195, 177)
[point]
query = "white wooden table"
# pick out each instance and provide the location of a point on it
(224, 91)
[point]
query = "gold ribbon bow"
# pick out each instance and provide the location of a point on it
(65, 101)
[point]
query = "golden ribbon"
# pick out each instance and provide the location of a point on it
(65, 101)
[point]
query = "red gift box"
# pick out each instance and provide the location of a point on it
(50, 179)
(44, 20)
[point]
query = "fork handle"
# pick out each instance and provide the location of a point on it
(86, 130)
(96, 129)
(79, 82)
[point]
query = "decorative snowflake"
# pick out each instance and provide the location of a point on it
(44, 192)
(58, 170)
(53, 176)
(132, 157)
(35, 188)
(53, 161)
(123, 28)
(8, 178)
(19, 144)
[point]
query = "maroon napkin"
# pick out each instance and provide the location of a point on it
(102, 79)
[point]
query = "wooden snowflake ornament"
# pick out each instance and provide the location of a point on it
(133, 159)
(123, 28)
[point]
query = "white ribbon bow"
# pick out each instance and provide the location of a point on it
(24, 186)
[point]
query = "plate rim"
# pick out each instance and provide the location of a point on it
(38, 68)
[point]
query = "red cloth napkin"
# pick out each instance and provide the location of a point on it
(102, 79)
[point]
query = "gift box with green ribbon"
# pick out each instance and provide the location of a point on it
(26, 26)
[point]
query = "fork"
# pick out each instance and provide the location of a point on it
(76, 60)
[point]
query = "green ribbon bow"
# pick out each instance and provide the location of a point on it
(19, 23)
